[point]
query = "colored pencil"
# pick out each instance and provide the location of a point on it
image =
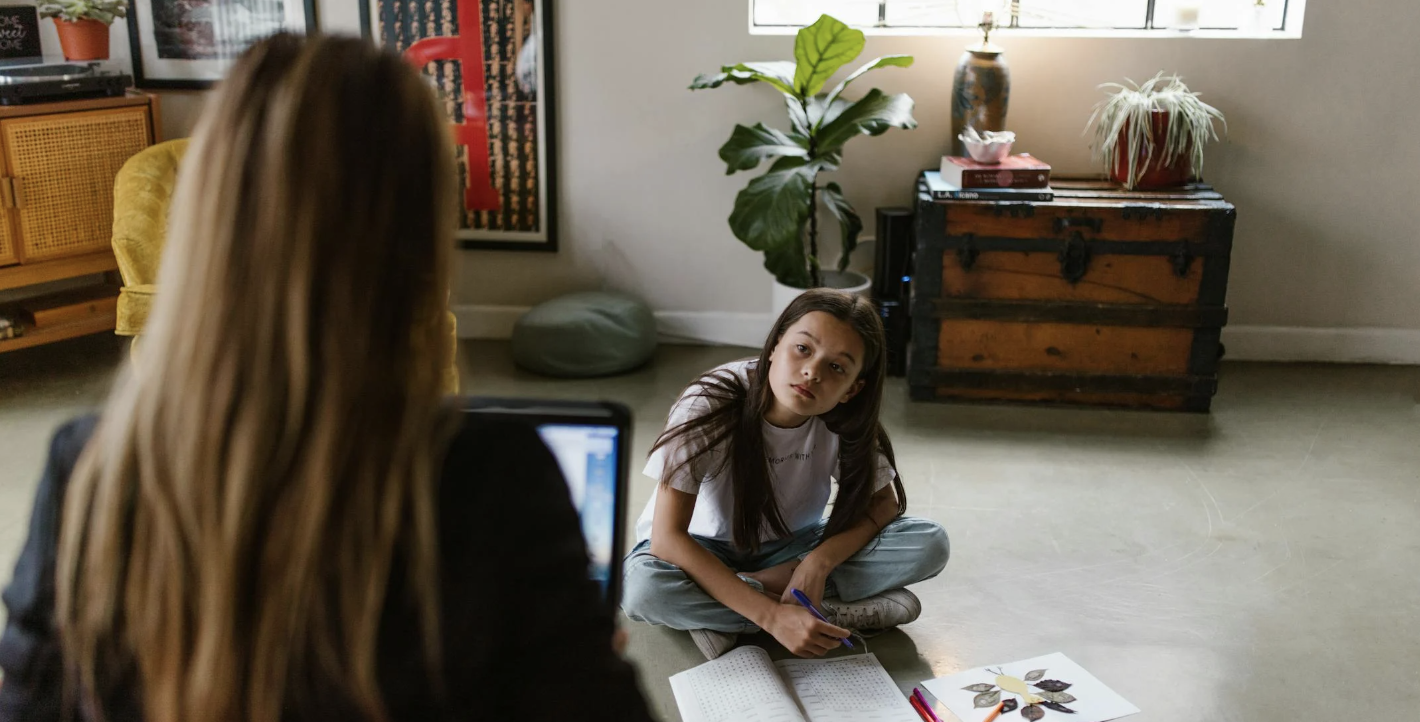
(922, 700)
(994, 712)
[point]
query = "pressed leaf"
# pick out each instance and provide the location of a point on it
(1034, 674)
(749, 145)
(983, 687)
(987, 699)
(1059, 697)
(1052, 685)
(1032, 712)
(1058, 707)
(820, 50)
(848, 221)
(1009, 705)
(900, 61)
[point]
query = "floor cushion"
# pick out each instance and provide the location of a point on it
(585, 334)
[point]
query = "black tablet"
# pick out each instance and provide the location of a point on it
(592, 443)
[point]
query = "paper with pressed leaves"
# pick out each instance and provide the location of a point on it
(1051, 688)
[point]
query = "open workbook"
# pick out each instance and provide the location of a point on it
(746, 686)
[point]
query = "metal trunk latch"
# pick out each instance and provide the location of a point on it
(1182, 260)
(1074, 258)
(967, 252)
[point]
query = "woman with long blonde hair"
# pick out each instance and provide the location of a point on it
(276, 516)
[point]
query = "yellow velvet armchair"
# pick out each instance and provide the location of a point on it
(141, 192)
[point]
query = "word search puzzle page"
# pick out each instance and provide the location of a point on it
(847, 689)
(741, 686)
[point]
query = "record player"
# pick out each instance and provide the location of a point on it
(47, 82)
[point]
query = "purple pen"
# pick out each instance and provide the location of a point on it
(810, 606)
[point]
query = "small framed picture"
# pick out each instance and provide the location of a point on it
(189, 44)
(490, 61)
(19, 33)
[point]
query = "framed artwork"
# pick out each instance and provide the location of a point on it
(189, 44)
(491, 63)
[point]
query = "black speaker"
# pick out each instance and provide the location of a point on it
(892, 269)
(898, 330)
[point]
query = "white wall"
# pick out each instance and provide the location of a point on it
(1321, 161)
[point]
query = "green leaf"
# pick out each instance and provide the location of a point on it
(848, 221)
(748, 146)
(770, 214)
(1034, 675)
(898, 61)
(788, 263)
(778, 73)
(820, 50)
(1058, 697)
(873, 115)
(798, 116)
(979, 687)
(822, 111)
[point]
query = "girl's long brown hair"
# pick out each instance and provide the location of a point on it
(271, 453)
(734, 417)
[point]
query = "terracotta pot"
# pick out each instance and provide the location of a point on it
(85, 39)
(1158, 173)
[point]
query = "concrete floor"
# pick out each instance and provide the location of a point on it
(1258, 563)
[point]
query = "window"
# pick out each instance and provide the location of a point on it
(1097, 18)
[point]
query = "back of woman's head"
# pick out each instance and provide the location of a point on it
(270, 454)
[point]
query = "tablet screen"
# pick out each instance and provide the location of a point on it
(587, 455)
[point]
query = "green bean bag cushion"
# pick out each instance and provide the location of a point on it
(585, 334)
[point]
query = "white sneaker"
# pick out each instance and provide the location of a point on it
(711, 643)
(868, 616)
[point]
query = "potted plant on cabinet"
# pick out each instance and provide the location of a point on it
(83, 25)
(1152, 135)
(776, 213)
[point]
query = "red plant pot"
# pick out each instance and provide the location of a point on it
(1158, 173)
(85, 39)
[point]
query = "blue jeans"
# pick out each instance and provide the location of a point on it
(907, 551)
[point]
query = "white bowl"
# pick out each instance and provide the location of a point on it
(990, 147)
(992, 152)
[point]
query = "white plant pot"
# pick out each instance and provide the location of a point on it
(850, 281)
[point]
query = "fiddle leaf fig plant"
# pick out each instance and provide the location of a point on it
(776, 213)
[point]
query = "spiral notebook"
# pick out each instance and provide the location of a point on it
(744, 685)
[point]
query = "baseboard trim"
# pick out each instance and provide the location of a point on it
(1244, 343)
(699, 328)
(1327, 345)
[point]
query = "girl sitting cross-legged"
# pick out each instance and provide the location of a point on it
(746, 467)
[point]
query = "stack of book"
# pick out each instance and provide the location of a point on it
(1019, 177)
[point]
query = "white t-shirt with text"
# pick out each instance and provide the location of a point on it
(803, 465)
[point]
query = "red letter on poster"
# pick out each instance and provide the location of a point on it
(467, 48)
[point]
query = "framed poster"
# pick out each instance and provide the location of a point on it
(491, 63)
(19, 34)
(187, 44)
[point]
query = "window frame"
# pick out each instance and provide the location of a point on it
(1293, 13)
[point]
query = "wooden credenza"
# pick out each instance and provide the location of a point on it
(56, 207)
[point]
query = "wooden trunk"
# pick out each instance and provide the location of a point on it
(1102, 297)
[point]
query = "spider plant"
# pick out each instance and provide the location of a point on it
(1127, 117)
